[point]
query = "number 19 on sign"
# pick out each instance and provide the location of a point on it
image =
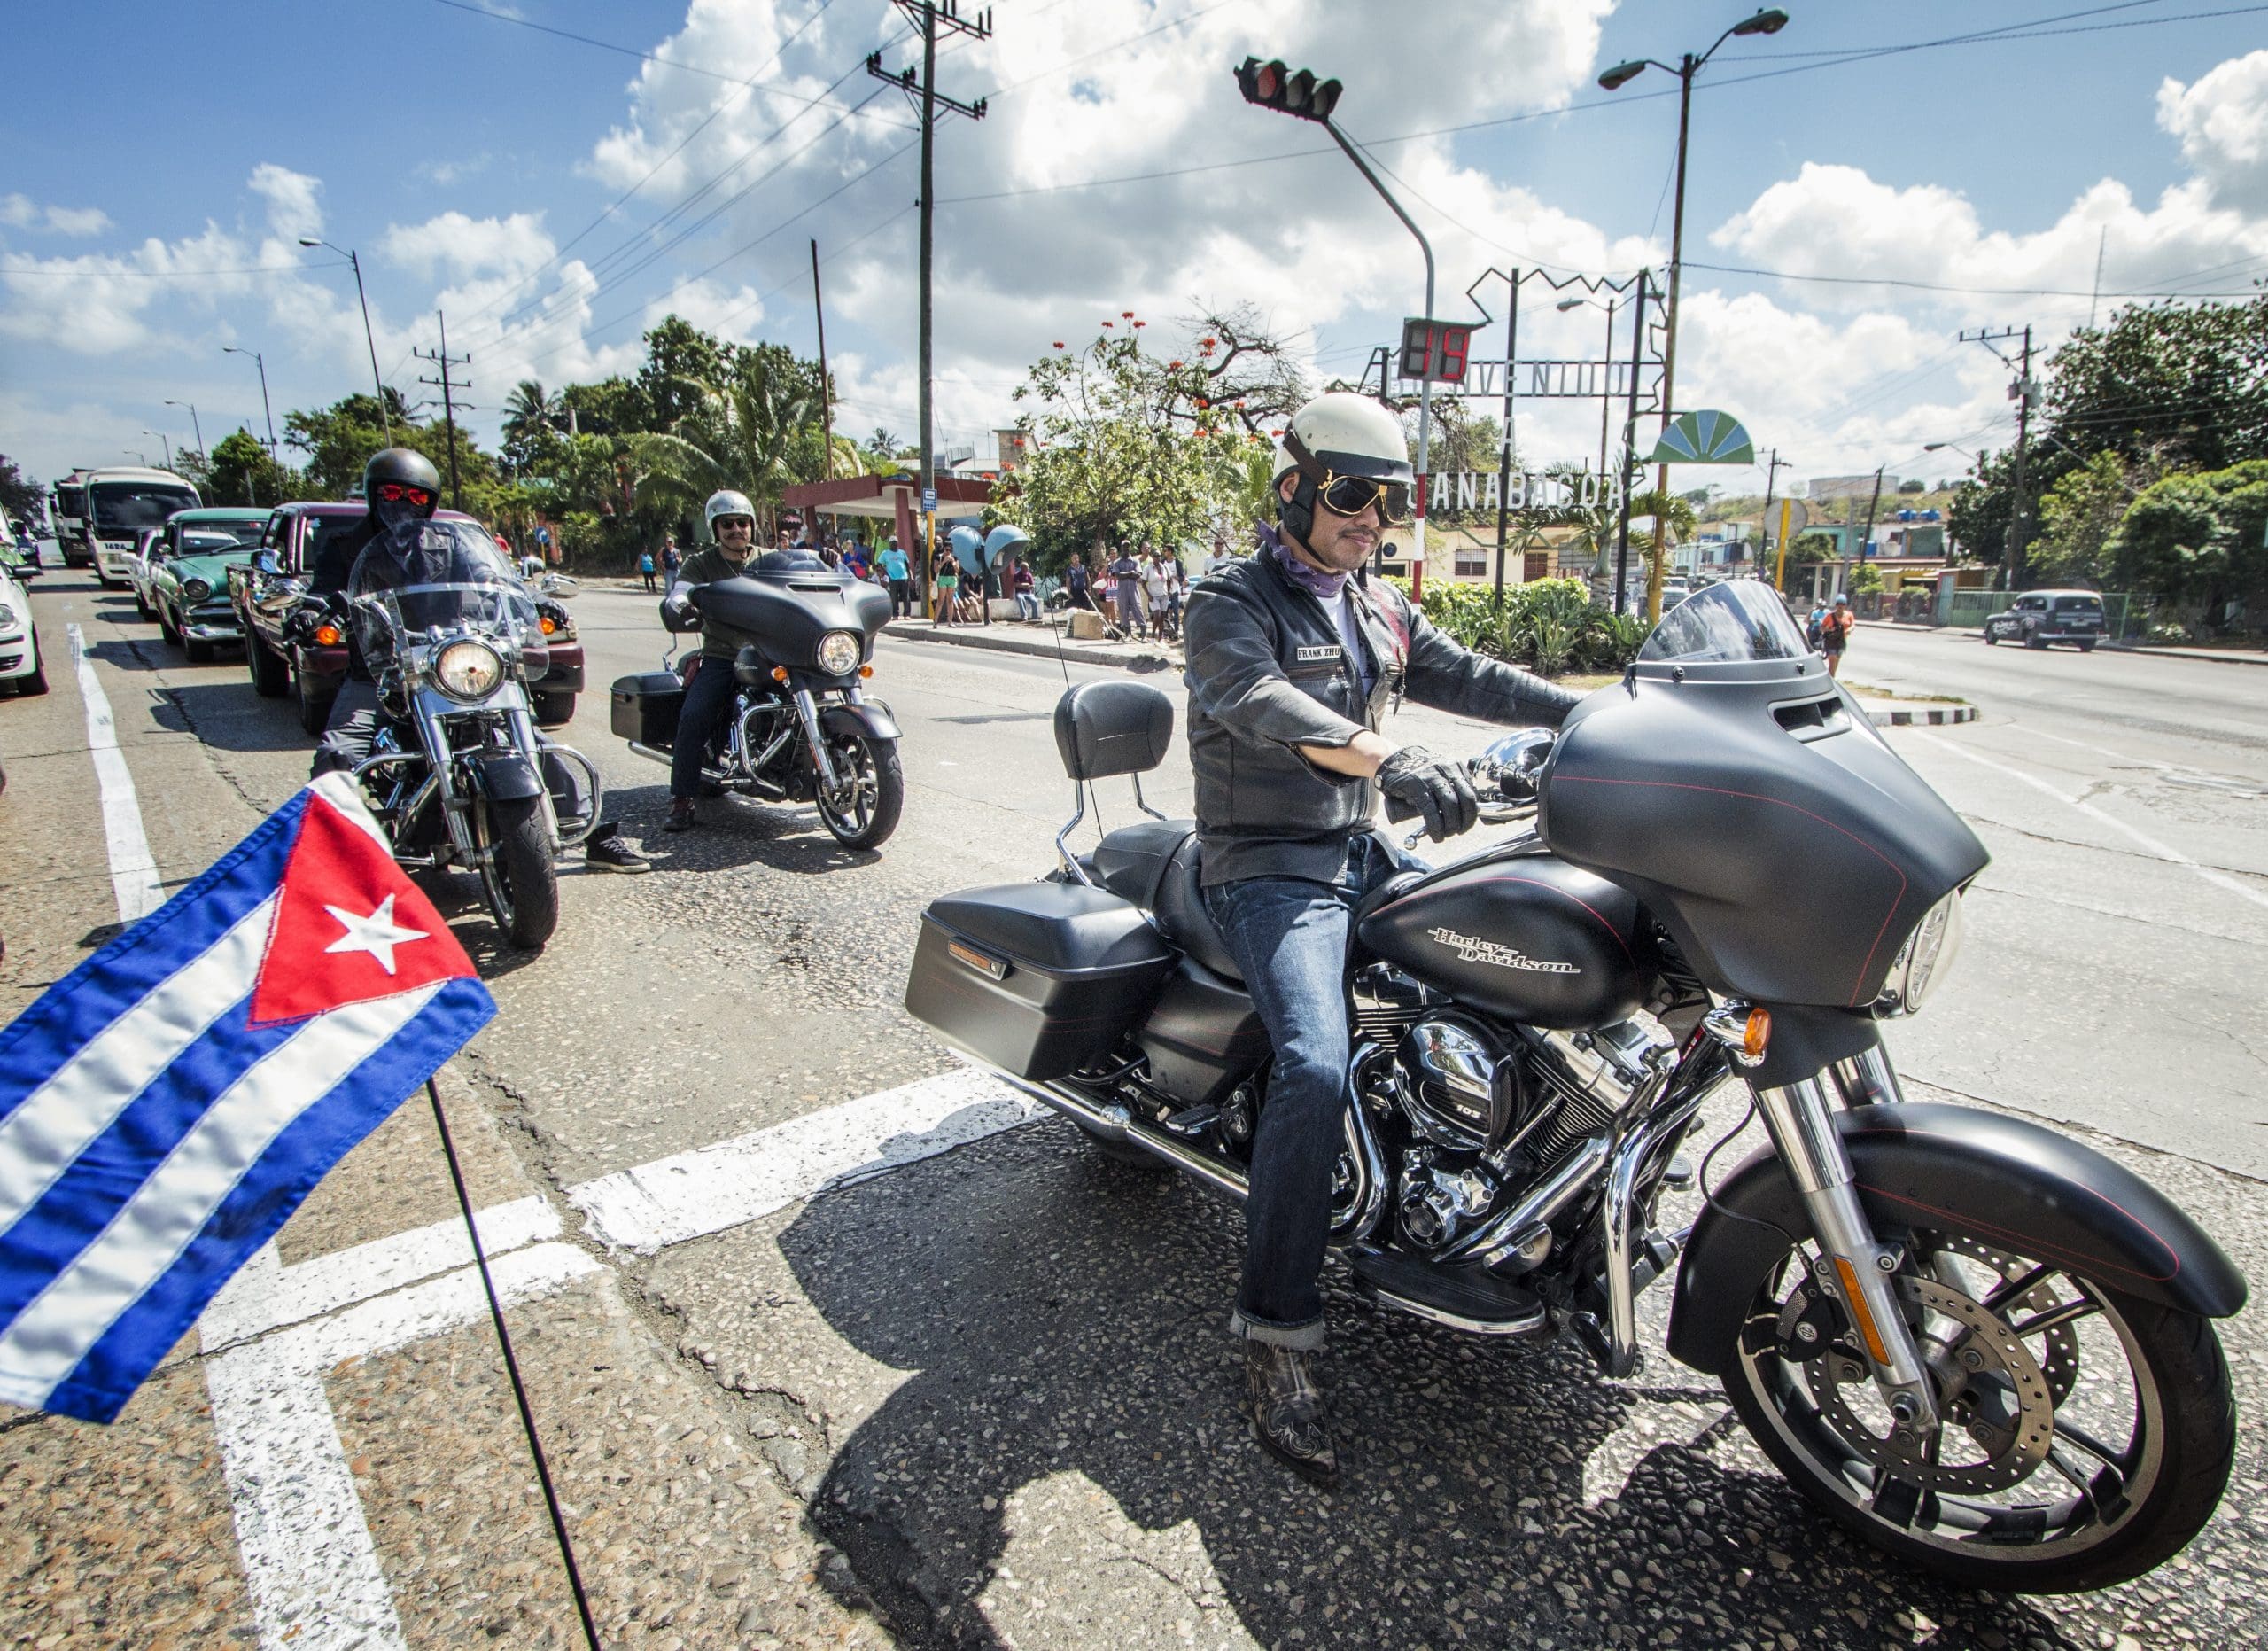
(1438, 350)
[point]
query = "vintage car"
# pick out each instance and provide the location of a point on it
(188, 578)
(306, 549)
(2040, 617)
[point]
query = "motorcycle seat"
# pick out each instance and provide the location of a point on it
(1155, 864)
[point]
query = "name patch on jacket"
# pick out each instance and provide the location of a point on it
(1305, 655)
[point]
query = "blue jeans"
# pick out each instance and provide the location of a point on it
(1026, 606)
(708, 701)
(1289, 938)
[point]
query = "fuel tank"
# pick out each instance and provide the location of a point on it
(1517, 933)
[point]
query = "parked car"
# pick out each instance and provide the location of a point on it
(22, 669)
(2040, 617)
(151, 548)
(305, 549)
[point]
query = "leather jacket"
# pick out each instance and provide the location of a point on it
(1267, 672)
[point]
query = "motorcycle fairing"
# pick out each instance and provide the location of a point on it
(1951, 1169)
(1787, 849)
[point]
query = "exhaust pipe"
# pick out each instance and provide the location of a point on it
(1114, 1123)
(651, 754)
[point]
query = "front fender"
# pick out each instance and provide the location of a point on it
(504, 777)
(1949, 1168)
(868, 718)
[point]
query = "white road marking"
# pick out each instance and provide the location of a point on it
(132, 869)
(695, 1194)
(2165, 851)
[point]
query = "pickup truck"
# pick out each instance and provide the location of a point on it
(302, 550)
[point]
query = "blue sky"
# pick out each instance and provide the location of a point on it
(458, 152)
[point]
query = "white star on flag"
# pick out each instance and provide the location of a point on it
(378, 934)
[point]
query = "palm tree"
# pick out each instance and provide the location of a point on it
(757, 433)
(531, 414)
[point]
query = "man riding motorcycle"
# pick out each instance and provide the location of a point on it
(1294, 655)
(708, 694)
(396, 546)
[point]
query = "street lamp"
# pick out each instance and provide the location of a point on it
(1605, 400)
(141, 457)
(1771, 20)
(384, 418)
(260, 362)
(193, 424)
(164, 446)
(1301, 94)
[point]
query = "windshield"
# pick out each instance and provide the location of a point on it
(71, 502)
(1737, 621)
(227, 532)
(122, 506)
(206, 544)
(455, 581)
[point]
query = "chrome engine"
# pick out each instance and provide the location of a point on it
(1477, 1112)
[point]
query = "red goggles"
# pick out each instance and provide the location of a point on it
(402, 493)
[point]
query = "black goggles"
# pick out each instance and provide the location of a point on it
(1351, 496)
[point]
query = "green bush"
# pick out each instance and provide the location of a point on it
(1548, 624)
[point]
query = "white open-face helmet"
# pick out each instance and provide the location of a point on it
(1349, 453)
(726, 503)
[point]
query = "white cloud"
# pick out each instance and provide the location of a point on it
(292, 208)
(458, 246)
(21, 211)
(2221, 121)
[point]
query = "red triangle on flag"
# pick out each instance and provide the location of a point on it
(349, 926)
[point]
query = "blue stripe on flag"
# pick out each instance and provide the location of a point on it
(265, 1198)
(70, 1013)
(75, 1209)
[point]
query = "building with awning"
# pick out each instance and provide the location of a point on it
(896, 499)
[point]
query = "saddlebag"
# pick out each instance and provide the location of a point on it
(1038, 979)
(644, 708)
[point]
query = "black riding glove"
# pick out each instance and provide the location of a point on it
(679, 612)
(1440, 791)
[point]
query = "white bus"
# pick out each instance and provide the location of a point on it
(121, 503)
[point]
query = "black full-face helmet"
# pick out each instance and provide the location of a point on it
(403, 490)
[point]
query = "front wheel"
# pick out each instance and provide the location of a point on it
(1992, 638)
(2085, 1436)
(142, 604)
(271, 672)
(517, 874)
(863, 810)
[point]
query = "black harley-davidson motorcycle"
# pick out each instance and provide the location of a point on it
(802, 728)
(1979, 1345)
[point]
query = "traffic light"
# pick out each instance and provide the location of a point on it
(1272, 86)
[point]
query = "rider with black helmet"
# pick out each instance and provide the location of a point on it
(398, 545)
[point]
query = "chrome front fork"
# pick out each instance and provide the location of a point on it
(1852, 1266)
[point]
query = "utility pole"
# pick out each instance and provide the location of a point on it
(927, 15)
(1764, 522)
(826, 413)
(1873, 504)
(443, 360)
(2023, 391)
(1625, 466)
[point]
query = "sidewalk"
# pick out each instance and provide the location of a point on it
(2218, 655)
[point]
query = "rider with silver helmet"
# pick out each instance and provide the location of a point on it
(1295, 654)
(708, 696)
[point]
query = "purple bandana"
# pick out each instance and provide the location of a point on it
(1322, 586)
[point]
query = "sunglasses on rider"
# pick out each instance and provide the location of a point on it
(402, 493)
(735, 524)
(1351, 496)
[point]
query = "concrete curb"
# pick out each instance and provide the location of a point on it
(1934, 716)
(1139, 658)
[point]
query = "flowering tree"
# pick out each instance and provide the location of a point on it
(1130, 447)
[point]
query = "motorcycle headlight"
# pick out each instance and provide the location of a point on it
(469, 670)
(1923, 961)
(838, 652)
(195, 589)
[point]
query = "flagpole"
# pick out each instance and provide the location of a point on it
(512, 1368)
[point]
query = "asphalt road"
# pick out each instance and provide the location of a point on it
(985, 1397)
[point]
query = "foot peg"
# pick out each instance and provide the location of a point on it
(1465, 1298)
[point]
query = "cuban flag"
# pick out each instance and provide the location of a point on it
(166, 1107)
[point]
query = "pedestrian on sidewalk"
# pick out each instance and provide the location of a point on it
(646, 567)
(1812, 626)
(1835, 632)
(1126, 576)
(1156, 585)
(900, 575)
(948, 578)
(672, 560)
(1020, 584)
(1078, 587)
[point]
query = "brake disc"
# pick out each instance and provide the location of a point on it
(2007, 1408)
(2059, 1362)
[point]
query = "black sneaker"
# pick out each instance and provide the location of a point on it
(1286, 1410)
(604, 851)
(681, 815)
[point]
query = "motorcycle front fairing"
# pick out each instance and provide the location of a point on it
(790, 613)
(1743, 797)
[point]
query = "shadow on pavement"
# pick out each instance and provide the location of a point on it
(736, 832)
(1061, 1316)
(229, 716)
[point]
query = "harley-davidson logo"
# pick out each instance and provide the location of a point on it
(1471, 949)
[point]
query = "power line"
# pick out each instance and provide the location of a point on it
(162, 274)
(1939, 286)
